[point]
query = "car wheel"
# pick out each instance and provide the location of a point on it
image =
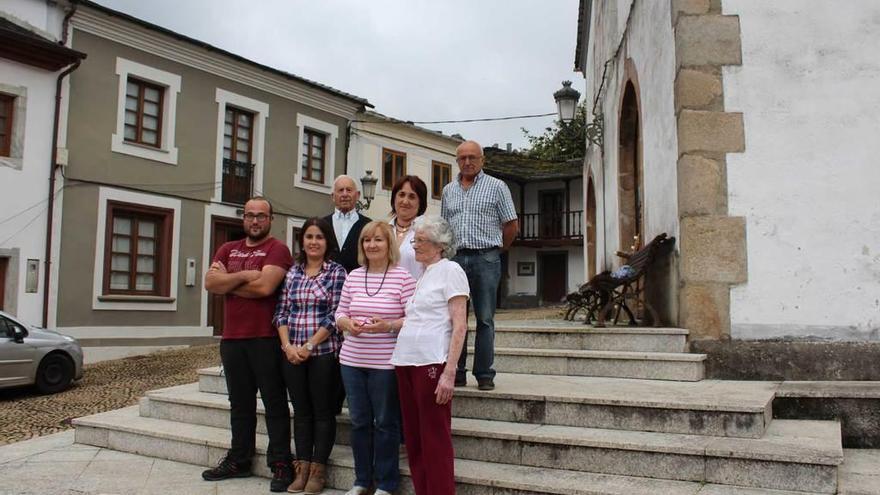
(54, 374)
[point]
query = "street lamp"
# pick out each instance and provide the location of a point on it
(566, 101)
(368, 185)
(566, 104)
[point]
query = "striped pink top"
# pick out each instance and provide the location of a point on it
(366, 296)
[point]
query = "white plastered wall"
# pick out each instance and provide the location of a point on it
(651, 47)
(807, 184)
(24, 178)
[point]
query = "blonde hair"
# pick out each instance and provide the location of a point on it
(383, 228)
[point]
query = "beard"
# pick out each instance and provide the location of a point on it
(258, 236)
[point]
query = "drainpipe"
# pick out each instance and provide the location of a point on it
(53, 168)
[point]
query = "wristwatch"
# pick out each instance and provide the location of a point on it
(309, 346)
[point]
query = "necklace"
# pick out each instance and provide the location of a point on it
(367, 290)
(401, 230)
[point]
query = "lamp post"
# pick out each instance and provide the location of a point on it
(566, 102)
(368, 186)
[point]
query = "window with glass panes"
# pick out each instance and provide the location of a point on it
(238, 135)
(393, 167)
(7, 104)
(143, 112)
(441, 174)
(137, 251)
(313, 152)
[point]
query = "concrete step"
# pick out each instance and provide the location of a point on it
(619, 364)
(795, 455)
(560, 334)
(126, 431)
(709, 407)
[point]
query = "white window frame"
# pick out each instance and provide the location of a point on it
(167, 150)
(101, 301)
(293, 223)
(332, 131)
(261, 113)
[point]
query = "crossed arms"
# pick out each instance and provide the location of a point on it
(250, 284)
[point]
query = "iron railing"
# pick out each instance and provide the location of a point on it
(238, 180)
(552, 225)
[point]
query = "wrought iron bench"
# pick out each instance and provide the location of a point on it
(621, 290)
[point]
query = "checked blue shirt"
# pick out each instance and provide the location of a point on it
(478, 213)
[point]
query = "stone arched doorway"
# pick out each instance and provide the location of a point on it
(629, 172)
(591, 227)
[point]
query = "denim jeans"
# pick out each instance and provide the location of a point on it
(249, 365)
(375, 425)
(483, 270)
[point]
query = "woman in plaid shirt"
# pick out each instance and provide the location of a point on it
(305, 318)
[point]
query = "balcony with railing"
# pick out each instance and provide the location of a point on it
(238, 180)
(562, 228)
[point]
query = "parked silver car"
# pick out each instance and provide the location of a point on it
(35, 356)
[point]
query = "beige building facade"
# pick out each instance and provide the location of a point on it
(167, 138)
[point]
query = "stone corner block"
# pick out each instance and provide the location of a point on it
(705, 311)
(700, 186)
(713, 249)
(689, 7)
(720, 132)
(697, 90)
(708, 40)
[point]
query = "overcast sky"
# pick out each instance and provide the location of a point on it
(418, 60)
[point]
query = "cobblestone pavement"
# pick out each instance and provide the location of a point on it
(105, 386)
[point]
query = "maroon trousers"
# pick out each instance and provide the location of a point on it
(427, 430)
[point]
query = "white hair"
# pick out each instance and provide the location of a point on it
(438, 231)
(343, 176)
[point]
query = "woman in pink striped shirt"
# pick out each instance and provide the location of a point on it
(370, 311)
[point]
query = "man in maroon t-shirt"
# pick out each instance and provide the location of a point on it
(248, 272)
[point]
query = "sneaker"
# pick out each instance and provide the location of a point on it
(380, 491)
(282, 476)
(358, 490)
(486, 384)
(227, 469)
(461, 381)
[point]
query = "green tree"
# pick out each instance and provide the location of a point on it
(562, 141)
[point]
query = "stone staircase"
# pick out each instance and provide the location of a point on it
(576, 410)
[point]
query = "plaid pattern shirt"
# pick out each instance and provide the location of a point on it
(308, 303)
(478, 213)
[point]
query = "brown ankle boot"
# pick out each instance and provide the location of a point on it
(317, 479)
(301, 476)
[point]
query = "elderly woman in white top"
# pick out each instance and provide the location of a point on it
(426, 354)
(409, 199)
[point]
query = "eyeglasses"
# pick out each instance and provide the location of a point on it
(415, 241)
(260, 217)
(466, 158)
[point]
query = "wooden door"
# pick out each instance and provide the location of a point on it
(553, 277)
(551, 205)
(222, 230)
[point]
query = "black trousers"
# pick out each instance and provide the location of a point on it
(313, 388)
(249, 365)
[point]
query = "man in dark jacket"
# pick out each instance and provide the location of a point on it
(347, 223)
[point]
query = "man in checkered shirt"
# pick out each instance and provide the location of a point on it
(481, 212)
